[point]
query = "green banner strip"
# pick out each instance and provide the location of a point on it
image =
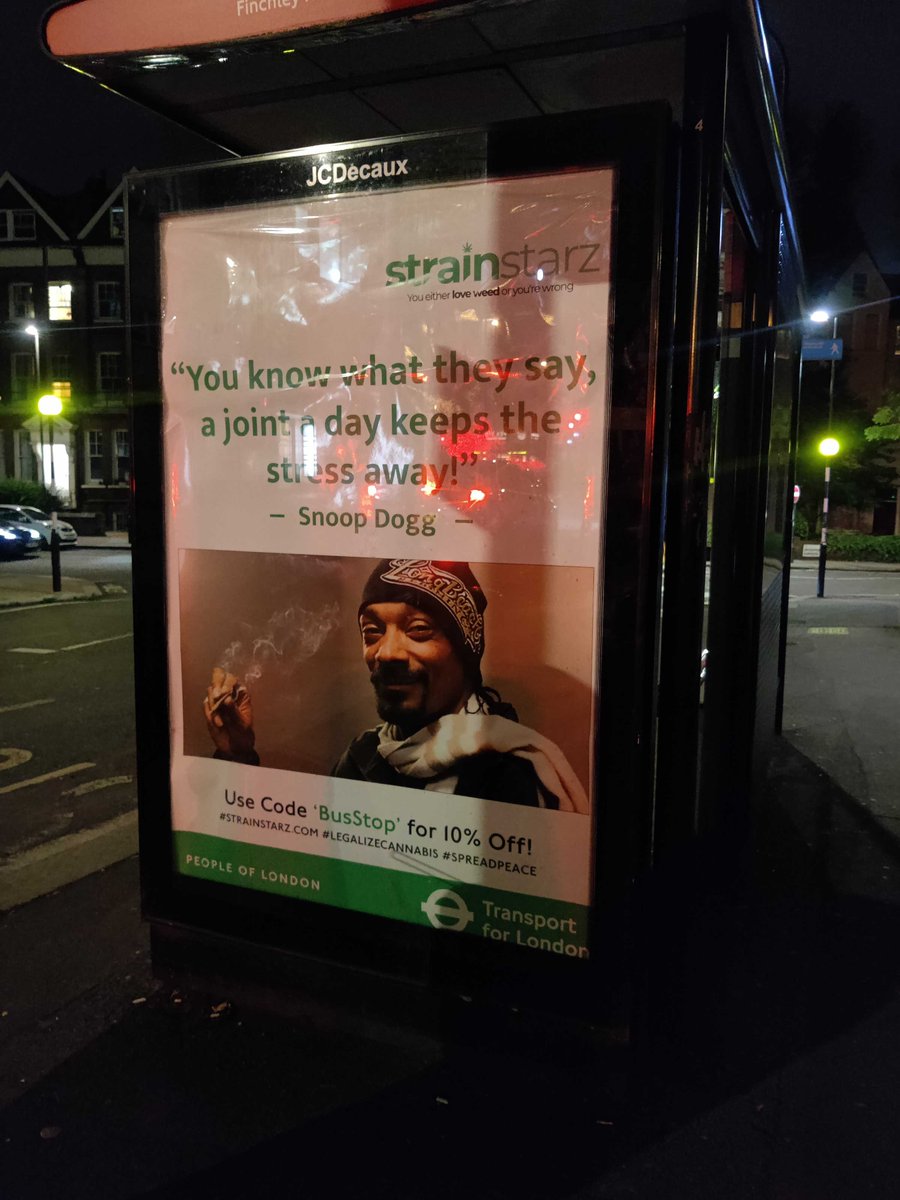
(511, 917)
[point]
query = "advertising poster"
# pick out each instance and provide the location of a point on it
(385, 430)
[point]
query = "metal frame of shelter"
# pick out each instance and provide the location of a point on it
(707, 284)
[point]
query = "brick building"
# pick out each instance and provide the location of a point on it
(62, 331)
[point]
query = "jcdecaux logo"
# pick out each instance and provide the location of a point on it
(337, 171)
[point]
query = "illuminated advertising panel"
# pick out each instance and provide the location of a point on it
(90, 27)
(385, 430)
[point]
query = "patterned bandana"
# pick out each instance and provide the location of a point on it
(451, 585)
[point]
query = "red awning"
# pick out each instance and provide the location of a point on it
(99, 27)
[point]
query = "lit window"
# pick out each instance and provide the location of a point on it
(21, 301)
(117, 222)
(59, 301)
(61, 376)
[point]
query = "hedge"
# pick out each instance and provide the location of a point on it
(845, 546)
(23, 491)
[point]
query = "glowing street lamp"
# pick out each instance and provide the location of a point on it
(828, 448)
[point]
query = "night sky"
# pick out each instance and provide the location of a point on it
(60, 128)
(848, 51)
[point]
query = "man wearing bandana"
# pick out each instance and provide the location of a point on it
(442, 730)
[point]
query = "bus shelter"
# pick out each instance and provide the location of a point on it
(487, 315)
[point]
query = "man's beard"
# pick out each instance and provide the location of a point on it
(393, 707)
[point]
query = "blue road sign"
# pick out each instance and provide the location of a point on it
(822, 349)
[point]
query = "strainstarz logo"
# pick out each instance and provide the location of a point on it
(536, 262)
(446, 910)
(338, 172)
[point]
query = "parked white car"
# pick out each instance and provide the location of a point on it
(24, 514)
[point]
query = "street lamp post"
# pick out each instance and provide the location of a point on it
(820, 317)
(51, 406)
(828, 447)
(33, 331)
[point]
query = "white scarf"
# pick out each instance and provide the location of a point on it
(435, 750)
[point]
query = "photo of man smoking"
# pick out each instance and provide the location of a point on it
(420, 628)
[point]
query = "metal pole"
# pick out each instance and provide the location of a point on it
(823, 544)
(43, 473)
(834, 328)
(54, 554)
(37, 377)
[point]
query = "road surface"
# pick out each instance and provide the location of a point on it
(67, 712)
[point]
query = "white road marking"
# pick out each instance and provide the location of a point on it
(60, 774)
(13, 756)
(97, 785)
(99, 642)
(62, 649)
(44, 606)
(27, 704)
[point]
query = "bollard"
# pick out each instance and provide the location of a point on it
(54, 554)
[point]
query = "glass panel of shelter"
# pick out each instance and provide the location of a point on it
(734, 317)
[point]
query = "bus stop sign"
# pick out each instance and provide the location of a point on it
(822, 349)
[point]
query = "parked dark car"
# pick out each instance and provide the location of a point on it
(18, 540)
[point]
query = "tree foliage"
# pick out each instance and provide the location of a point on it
(861, 473)
(885, 425)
